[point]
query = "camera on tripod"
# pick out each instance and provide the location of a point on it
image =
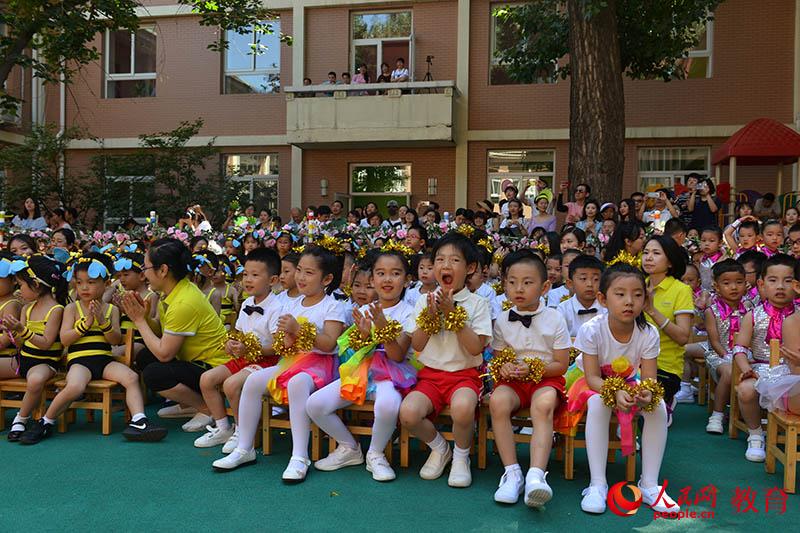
(429, 60)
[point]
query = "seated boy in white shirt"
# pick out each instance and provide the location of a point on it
(451, 327)
(559, 294)
(533, 332)
(584, 282)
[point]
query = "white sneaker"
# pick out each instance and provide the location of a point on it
(537, 491)
(714, 425)
(594, 499)
(277, 410)
(460, 474)
(197, 423)
(234, 460)
(233, 441)
(663, 505)
(296, 470)
(176, 411)
(510, 488)
(380, 467)
(214, 437)
(755, 449)
(435, 465)
(339, 458)
(684, 395)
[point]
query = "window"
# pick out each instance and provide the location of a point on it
(380, 183)
(253, 61)
(128, 197)
(130, 63)
(254, 178)
(381, 38)
(504, 35)
(698, 63)
(522, 167)
(665, 166)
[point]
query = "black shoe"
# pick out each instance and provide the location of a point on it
(40, 430)
(144, 431)
(14, 435)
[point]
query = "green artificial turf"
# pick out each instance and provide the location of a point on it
(88, 482)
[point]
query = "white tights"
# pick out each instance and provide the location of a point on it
(299, 388)
(324, 403)
(654, 440)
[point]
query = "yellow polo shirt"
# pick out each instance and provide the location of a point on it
(672, 297)
(186, 312)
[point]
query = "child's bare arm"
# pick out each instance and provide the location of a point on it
(743, 339)
(713, 334)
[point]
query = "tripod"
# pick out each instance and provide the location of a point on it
(428, 76)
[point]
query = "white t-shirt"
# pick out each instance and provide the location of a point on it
(555, 295)
(286, 301)
(327, 309)
(489, 293)
(400, 73)
(547, 332)
(443, 351)
(261, 324)
(650, 216)
(413, 294)
(401, 312)
(595, 338)
(571, 311)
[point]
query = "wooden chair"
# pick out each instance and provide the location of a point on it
(101, 394)
(10, 389)
(782, 429)
(405, 437)
(521, 418)
(270, 423)
(357, 420)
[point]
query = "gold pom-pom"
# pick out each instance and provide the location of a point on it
(654, 387)
(347, 290)
(357, 340)
(429, 324)
(278, 346)
(455, 319)
(507, 304)
(252, 346)
(466, 229)
(573, 354)
(536, 368)
(306, 337)
(498, 287)
(610, 387)
(565, 298)
(506, 355)
(331, 244)
(486, 244)
(627, 258)
(397, 246)
(388, 333)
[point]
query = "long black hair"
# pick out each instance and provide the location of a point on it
(174, 254)
(675, 255)
(37, 211)
(620, 270)
(329, 263)
(630, 230)
(48, 276)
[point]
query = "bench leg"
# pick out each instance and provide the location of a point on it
(106, 421)
(790, 467)
(569, 456)
(404, 438)
(266, 435)
(772, 442)
(483, 440)
(315, 442)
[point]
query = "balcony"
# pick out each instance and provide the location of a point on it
(407, 114)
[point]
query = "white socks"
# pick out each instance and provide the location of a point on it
(538, 472)
(138, 416)
(758, 432)
(717, 414)
(50, 421)
(19, 421)
(460, 453)
(510, 469)
(223, 424)
(439, 444)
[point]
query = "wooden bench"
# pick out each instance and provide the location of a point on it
(357, 420)
(11, 388)
(270, 423)
(444, 418)
(782, 429)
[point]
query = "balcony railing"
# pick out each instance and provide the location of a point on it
(373, 114)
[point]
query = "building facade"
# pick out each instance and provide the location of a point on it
(452, 140)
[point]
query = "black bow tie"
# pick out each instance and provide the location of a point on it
(250, 309)
(586, 311)
(340, 296)
(526, 320)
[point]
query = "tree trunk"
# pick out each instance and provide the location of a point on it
(597, 101)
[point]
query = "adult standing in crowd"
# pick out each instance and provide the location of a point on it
(574, 209)
(766, 207)
(30, 217)
(682, 201)
(703, 205)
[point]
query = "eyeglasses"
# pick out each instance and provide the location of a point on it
(580, 190)
(147, 268)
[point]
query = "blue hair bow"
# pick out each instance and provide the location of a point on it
(17, 265)
(5, 268)
(236, 243)
(96, 270)
(123, 263)
(102, 250)
(131, 247)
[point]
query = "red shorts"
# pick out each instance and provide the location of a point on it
(525, 389)
(235, 365)
(439, 385)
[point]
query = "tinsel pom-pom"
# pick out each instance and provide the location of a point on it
(536, 368)
(610, 387)
(306, 337)
(506, 355)
(281, 350)
(429, 324)
(252, 346)
(507, 304)
(654, 387)
(455, 319)
(388, 333)
(357, 340)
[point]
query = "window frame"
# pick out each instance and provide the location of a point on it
(494, 61)
(131, 180)
(515, 176)
(670, 175)
(255, 71)
(132, 75)
(252, 178)
(378, 42)
(353, 196)
(707, 52)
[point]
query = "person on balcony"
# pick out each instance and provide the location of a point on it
(362, 76)
(400, 73)
(330, 81)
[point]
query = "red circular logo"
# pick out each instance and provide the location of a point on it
(619, 504)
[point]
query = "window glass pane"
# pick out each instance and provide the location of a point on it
(145, 50)
(379, 25)
(131, 88)
(119, 52)
(367, 55)
(521, 161)
(117, 199)
(674, 159)
(252, 83)
(265, 193)
(695, 67)
(382, 179)
(239, 55)
(251, 165)
(270, 47)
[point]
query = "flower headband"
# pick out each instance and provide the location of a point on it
(96, 268)
(125, 263)
(20, 265)
(396, 246)
(5, 267)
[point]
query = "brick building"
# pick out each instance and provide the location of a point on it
(453, 141)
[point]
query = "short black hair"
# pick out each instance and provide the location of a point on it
(555, 257)
(770, 222)
(794, 227)
(68, 234)
(331, 72)
(423, 233)
(416, 260)
(769, 196)
(524, 255)
(269, 257)
(460, 242)
(103, 259)
(580, 235)
(674, 226)
(328, 263)
(675, 255)
(586, 186)
(725, 266)
(620, 270)
(570, 251)
(778, 260)
(173, 253)
(291, 257)
(755, 225)
(712, 229)
(323, 210)
(755, 257)
(585, 261)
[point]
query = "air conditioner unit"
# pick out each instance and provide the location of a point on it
(12, 117)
